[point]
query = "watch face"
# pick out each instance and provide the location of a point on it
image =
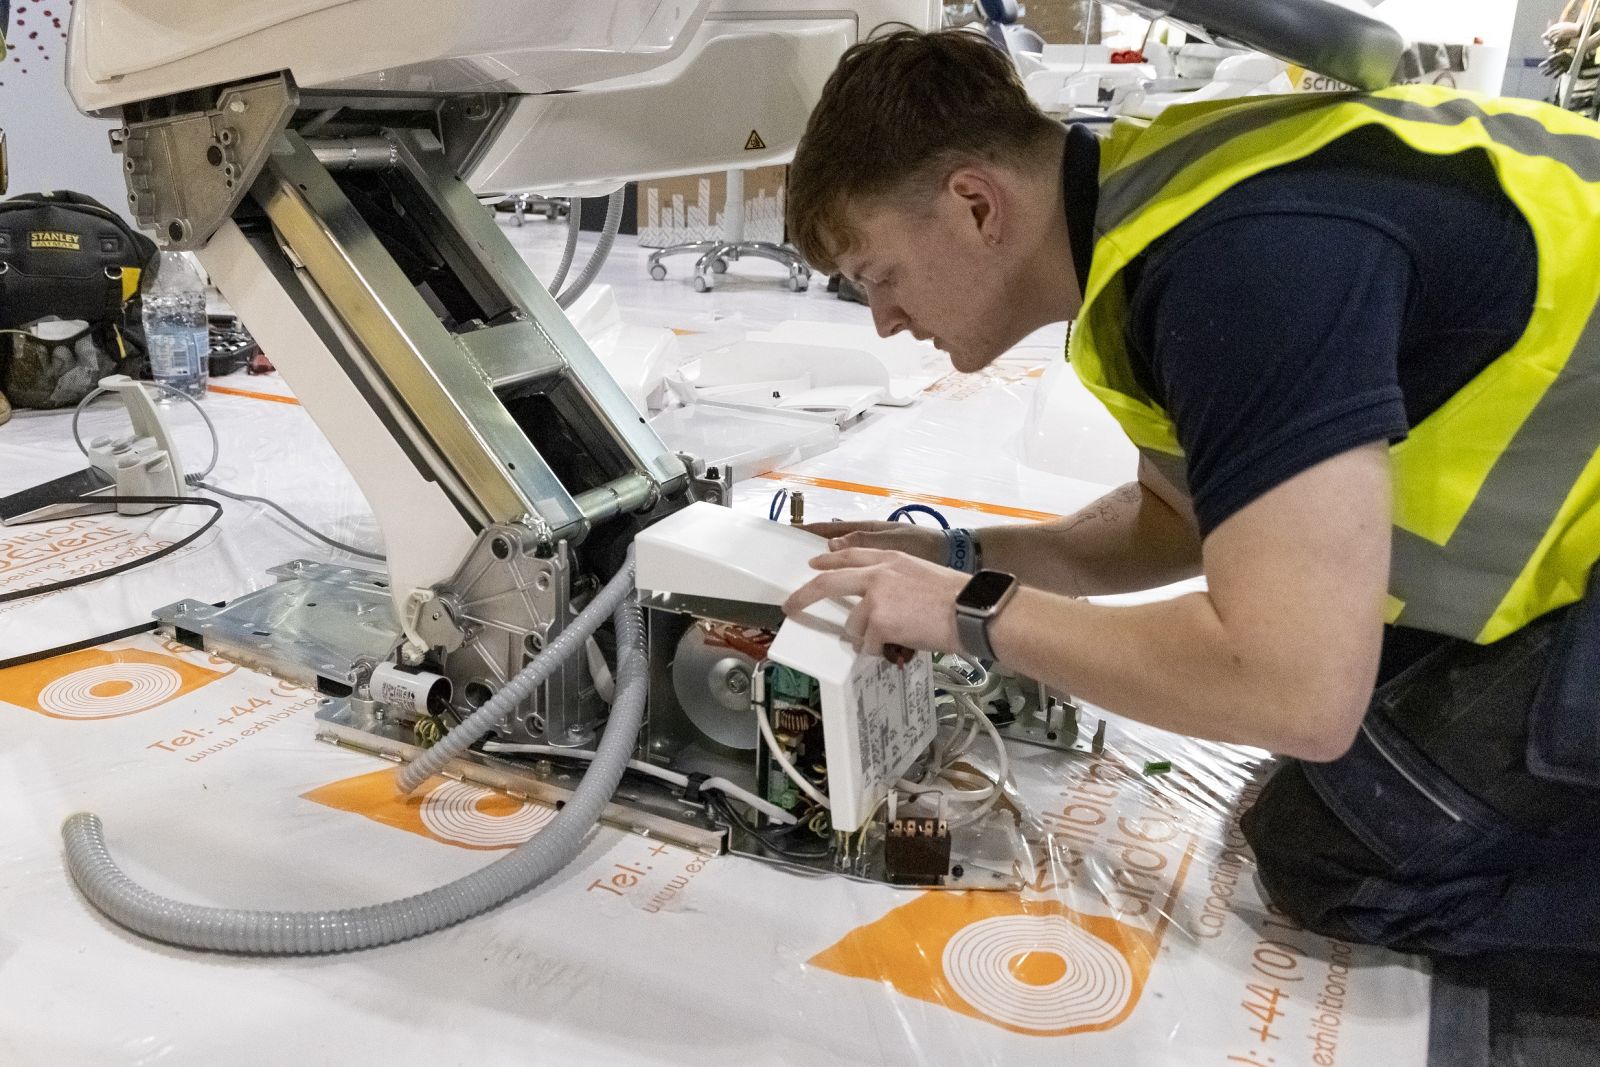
(985, 590)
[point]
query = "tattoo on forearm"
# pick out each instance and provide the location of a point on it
(1106, 508)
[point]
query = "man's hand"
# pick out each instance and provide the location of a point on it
(923, 542)
(904, 601)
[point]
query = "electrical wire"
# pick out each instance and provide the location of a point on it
(123, 568)
(909, 510)
(281, 510)
(211, 427)
(955, 683)
(1003, 770)
(726, 810)
(76, 646)
(721, 785)
(198, 481)
(764, 721)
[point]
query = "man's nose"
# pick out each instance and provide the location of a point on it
(888, 318)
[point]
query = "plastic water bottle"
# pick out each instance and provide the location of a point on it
(176, 335)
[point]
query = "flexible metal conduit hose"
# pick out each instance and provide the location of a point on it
(574, 224)
(601, 251)
(347, 929)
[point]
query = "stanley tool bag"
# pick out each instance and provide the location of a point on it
(65, 256)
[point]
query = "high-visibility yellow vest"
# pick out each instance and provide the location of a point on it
(1497, 493)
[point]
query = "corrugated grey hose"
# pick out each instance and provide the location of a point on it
(498, 708)
(574, 224)
(310, 932)
(601, 250)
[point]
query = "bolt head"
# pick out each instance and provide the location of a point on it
(238, 107)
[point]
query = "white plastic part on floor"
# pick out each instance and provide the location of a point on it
(1143, 938)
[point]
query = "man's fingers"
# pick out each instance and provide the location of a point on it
(851, 582)
(856, 624)
(844, 529)
(849, 557)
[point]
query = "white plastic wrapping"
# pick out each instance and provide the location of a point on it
(1141, 940)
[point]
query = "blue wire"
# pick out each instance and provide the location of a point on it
(905, 513)
(779, 499)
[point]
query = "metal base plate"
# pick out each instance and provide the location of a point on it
(321, 626)
(325, 626)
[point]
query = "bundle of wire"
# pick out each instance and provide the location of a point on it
(948, 772)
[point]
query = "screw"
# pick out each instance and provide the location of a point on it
(238, 107)
(739, 681)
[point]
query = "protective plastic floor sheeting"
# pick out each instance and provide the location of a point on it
(267, 449)
(1142, 939)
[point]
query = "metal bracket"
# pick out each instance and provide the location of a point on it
(714, 485)
(186, 173)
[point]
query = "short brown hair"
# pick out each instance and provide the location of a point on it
(897, 116)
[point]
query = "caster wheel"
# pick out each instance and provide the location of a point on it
(720, 266)
(701, 285)
(658, 272)
(799, 283)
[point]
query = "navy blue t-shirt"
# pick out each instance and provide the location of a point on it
(1319, 306)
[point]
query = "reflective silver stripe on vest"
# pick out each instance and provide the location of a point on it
(1527, 136)
(1466, 579)
(1127, 190)
(1175, 469)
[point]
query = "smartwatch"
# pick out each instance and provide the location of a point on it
(984, 597)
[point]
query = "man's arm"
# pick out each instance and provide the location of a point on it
(1280, 652)
(1137, 537)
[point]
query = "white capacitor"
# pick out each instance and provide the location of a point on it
(415, 691)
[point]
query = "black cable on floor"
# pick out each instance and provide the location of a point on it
(123, 568)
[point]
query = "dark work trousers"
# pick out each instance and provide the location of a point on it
(1465, 819)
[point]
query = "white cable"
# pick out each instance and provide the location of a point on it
(99, 391)
(1004, 767)
(604, 682)
(960, 748)
(721, 785)
(951, 791)
(953, 682)
(194, 480)
(783, 761)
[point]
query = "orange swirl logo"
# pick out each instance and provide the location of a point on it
(452, 813)
(1031, 967)
(99, 683)
(1026, 965)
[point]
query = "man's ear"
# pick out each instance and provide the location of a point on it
(981, 201)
